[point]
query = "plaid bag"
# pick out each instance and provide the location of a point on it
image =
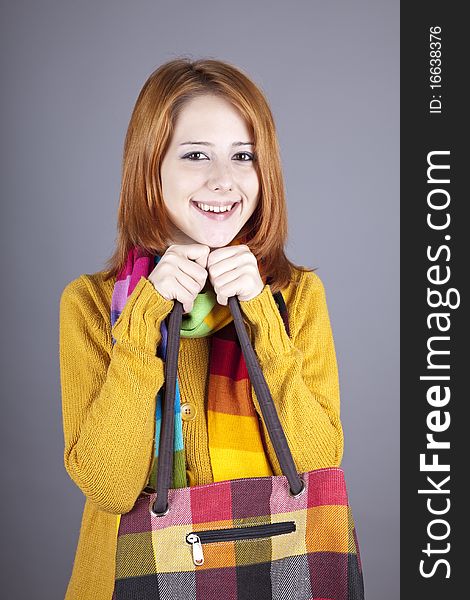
(284, 537)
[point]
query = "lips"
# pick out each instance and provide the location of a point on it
(214, 215)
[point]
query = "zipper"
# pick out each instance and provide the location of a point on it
(196, 539)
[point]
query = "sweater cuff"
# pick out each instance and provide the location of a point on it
(270, 335)
(139, 323)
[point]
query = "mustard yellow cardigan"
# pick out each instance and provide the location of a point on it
(109, 396)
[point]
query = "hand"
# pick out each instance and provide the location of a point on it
(181, 273)
(233, 271)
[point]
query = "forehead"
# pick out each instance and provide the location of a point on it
(209, 115)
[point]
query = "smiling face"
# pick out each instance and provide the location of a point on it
(209, 161)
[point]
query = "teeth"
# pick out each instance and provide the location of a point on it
(216, 209)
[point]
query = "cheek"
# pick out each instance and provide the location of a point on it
(173, 191)
(253, 186)
(252, 209)
(253, 193)
(173, 177)
(184, 185)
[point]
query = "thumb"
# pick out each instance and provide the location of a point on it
(197, 252)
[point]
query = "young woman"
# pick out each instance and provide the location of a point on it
(202, 217)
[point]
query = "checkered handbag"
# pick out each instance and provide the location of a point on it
(283, 537)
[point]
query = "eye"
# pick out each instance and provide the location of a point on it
(250, 156)
(192, 154)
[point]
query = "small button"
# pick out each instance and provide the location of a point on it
(188, 411)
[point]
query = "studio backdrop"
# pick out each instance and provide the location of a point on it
(71, 73)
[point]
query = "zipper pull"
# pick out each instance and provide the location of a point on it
(198, 556)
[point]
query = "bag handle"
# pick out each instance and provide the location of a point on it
(276, 433)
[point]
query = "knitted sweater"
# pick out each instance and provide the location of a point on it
(109, 400)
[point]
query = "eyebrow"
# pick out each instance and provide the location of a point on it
(209, 144)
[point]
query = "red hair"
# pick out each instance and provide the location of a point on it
(142, 217)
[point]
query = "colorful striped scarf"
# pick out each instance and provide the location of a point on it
(235, 442)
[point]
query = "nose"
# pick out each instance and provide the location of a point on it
(220, 176)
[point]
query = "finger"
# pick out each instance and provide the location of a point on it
(219, 281)
(192, 269)
(235, 287)
(221, 299)
(236, 262)
(220, 254)
(180, 293)
(190, 286)
(194, 252)
(185, 297)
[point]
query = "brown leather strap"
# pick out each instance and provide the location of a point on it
(268, 409)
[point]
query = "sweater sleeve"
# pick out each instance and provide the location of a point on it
(109, 392)
(301, 373)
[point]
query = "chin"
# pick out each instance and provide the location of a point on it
(218, 241)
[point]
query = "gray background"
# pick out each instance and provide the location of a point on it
(71, 72)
